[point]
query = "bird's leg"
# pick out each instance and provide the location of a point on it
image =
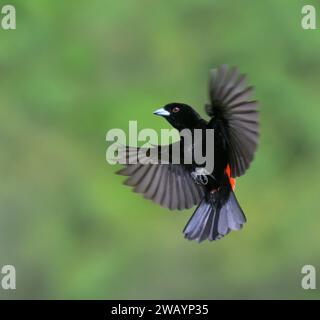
(201, 176)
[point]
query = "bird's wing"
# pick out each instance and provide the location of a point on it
(230, 99)
(167, 184)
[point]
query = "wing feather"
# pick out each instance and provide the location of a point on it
(169, 185)
(230, 99)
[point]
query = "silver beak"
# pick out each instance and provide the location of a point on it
(162, 112)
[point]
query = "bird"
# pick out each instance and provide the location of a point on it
(234, 117)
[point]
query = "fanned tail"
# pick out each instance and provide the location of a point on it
(214, 218)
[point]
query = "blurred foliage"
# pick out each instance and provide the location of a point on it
(73, 70)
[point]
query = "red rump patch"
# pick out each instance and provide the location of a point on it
(232, 180)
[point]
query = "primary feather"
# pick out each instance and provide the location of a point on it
(230, 100)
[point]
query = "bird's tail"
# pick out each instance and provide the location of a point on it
(215, 217)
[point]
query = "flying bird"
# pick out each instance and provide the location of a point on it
(235, 120)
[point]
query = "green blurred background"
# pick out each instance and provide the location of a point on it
(73, 70)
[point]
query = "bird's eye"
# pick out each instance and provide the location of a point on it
(176, 109)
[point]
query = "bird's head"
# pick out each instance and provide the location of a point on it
(179, 115)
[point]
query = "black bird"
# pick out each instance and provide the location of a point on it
(234, 118)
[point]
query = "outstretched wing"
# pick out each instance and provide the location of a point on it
(167, 184)
(230, 99)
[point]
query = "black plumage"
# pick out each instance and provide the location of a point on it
(234, 118)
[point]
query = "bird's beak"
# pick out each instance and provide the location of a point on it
(162, 112)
